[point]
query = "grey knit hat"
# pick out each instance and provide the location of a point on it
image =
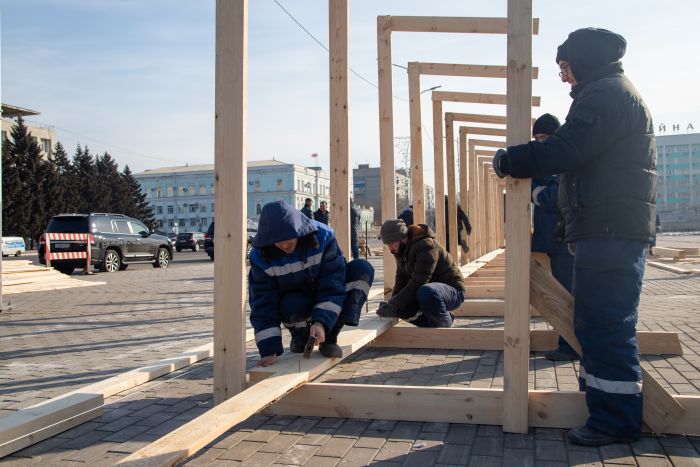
(393, 230)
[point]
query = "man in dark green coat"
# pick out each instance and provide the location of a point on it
(428, 282)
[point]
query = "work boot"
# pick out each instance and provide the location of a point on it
(560, 355)
(585, 436)
(330, 348)
(300, 335)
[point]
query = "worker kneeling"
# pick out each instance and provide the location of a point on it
(299, 277)
(428, 282)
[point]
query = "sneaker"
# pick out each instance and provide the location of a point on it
(300, 336)
(560, 356)
(585, 436)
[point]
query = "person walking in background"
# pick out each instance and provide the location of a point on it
(322, 214)
(462, 222)
(546, 217)
(307, 209)
(354, 223)
(606, 155)
(428, 282)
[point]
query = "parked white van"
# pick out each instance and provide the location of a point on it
(13, 246)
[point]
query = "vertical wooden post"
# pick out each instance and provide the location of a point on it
(463, 183)
(517, 296)
(231, 185)
(488, 214)
(451, 213)
(386, 140)
(417, 191)
(473, 201)
(339, 134)
(438, 164)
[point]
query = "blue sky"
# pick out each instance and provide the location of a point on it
(136, 78)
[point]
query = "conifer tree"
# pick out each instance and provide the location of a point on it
(11, 190)
(65, 190)
(139, 207)
(85, 174)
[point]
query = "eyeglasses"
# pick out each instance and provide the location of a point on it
(564, 70)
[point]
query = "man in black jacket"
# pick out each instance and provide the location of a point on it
(322, 214)
(428, 282)
(606, 155)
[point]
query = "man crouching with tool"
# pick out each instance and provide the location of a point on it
(299, 277)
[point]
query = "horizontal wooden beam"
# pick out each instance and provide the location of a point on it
(541, 340)
(475, 98)
(487, 143)
(282, 377)
(546, 409)
(451, 24)
(476, 130)
(462, 70)
(669, 268)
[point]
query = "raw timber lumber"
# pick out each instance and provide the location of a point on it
(555, 304)
(668, 252)
(476, 98)
(689, 250)
(547, 409)
(31, 425)
(453, 24)
(41, 421)
(541, 340)
(282, 377)
(516, 316)
(464, 70)
(669, 268)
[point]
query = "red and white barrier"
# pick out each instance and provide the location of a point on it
(68, 237)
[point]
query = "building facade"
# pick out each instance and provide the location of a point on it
(45, 135)
(366, 190)
(182, 198)
(678, 194)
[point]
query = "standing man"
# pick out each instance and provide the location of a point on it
(322, 215)
(545, 220)
(428, 282)
(307, 208)
(462, 222)
(606, 154)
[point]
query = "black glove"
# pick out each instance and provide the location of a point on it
(387, 310)
(500, 163)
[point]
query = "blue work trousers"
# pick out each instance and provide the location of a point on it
(562, 263)
(433, 305)
(295, 307)
(607, 284)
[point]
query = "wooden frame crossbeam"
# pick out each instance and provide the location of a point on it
(463, 70)
(475, 98)
(450, 24)
(546, 408)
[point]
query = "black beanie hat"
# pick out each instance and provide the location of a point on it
(546, 124)
(589, 49)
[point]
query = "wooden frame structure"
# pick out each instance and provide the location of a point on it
(526, 281)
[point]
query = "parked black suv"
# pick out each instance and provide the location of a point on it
(189, 241)
(117, 241)
(209, 237)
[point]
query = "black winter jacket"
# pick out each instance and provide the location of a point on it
(421, 261)
(606, 153)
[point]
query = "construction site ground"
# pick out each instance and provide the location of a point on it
(55, 342)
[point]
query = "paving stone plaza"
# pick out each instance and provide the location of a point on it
(55, 342)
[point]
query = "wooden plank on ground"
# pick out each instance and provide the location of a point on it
(282, 377)
(555, 303)
(541, 340)
(668, 252)
(68, 410)
(547, 409)
(669, 268)
(31, 425)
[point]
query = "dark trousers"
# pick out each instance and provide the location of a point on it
(295, 307)
(563, 271)
(607, 283)
(433, 305)
(354, 247)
